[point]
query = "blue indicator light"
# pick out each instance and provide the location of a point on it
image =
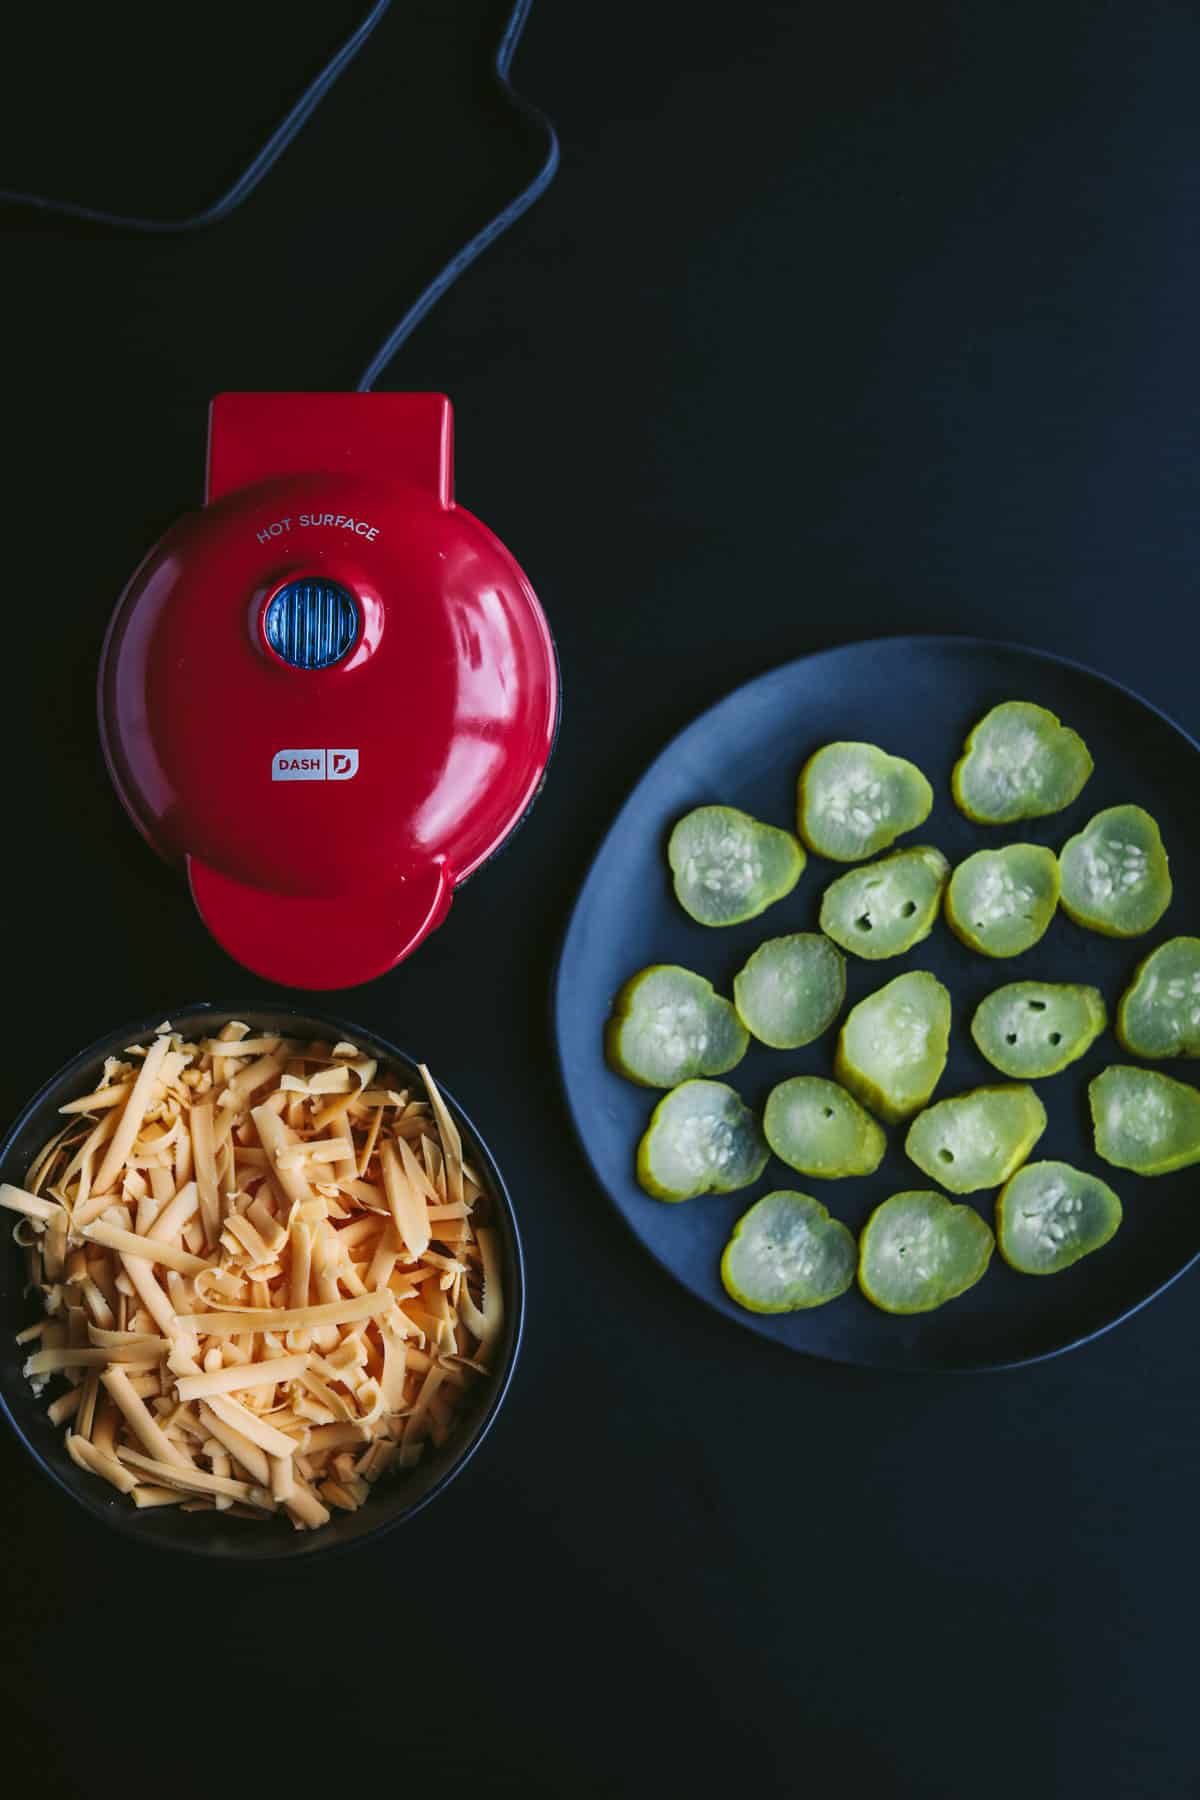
(312, 624)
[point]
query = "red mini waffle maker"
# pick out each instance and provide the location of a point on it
(331, 694)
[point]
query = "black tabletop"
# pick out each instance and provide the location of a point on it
(838, 321)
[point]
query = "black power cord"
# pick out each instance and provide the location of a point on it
(290, 125)
(498, 224)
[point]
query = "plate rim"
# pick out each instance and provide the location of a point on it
(893, 640)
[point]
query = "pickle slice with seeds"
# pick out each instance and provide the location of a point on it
(888, 906)
(1000, 902)
(1159, 1013)
(1020, 762)
(791, 989)
(978, 1139)
(1145, 1121)
(729, 867)
(855, 799)
(702, 1139)
(668, 1026)
(918, 1250)
(1031, 1029)
(787, 1254)
(816, 1127)
(1050, 1215)
(1116, 878)
(893, 1046)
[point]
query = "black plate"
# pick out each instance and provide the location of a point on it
(917, 697)
(393, 1499)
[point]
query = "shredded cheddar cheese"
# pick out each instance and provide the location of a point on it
(266, 1275)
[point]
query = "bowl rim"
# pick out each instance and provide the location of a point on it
(309, 1544)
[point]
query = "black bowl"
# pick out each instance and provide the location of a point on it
(395, 1497)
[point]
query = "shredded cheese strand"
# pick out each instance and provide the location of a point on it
(241, 1375)
(132, 1114)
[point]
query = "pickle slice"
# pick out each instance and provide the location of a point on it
(1159, 1014)
(919, 1250)
(668, 1025)
(1115, 875)
(1030, 1029)
(786, 1254)
(729, 867)
(1049, 1215)
(1000, 902)
(886, 908)
(1145, 1121)
(818, 1128)
(855, 800)
(702, 1139)
(892, 1048)
(978, 1139)
(791, 989)
(1019, 762)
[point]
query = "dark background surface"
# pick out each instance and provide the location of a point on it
(838, 321)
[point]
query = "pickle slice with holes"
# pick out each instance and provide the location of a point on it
(978, 1139)
(791, 989)
(919, 1250)
(1159, 1014)
(1031, 1029)
(729, 867)
(787, 1254)
(1049, 1215)
(816, 1127)
(1115, 875)
(887, 907)
(1145, 1121)
(702, 1139)
(892, 1048)
(1000, 902)
(855, 800)
(668, 1026)
(1019, 762)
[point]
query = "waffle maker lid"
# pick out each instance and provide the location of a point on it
(331, 694)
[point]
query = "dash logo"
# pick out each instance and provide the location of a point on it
(314, 765)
